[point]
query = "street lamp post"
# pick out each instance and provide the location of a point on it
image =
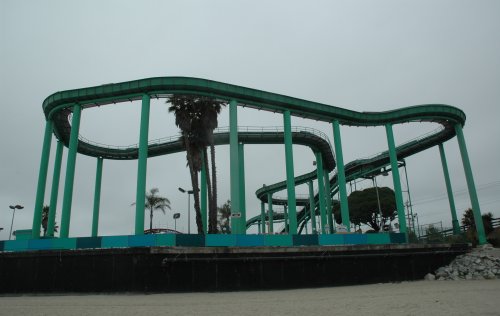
(13, 208)
(176, 216)
(189, 192)
(374, 180)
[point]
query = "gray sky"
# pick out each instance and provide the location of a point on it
(361, 55)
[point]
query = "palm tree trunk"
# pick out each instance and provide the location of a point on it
(151, 219)
(211, 228)
(196, 193)
(194, 182)
(213, 209)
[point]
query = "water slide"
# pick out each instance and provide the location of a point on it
(58, 108)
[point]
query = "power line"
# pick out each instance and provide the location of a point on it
(460, 192)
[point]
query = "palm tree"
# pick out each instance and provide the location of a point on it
(223, 221)
(154, 202)
(196, 116)
(211, 111)
(45, 220)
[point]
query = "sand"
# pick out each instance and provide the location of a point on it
(406, 298)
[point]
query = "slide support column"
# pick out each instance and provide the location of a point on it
(344, 206)
(263, 217)
(234, 168)
(312, 206)
(321, 190)
(42, 180)
(97, 197)
(70, 171)
(271, 215)
(328, 197)
(290, 178)
(55, 189)
(142, 166)
(396, 179)
(243, 207)
(470, 185)
(449, 190)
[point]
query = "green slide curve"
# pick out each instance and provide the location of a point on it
(58, 106)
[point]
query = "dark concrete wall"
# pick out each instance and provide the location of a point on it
(168, 269)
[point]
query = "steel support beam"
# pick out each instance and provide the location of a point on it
(286, 219)
(55, 189)
(396, 179)
(263, 217)
(271, 215)
(142, 166)
(321, 190)
(470, 185)
(312, 206)
(234, 168)
(344, 206)
(243, 207)
(290, 178)
(328, 198)
(97, 197)
(449, 190)
(70, 171)
(42, 180)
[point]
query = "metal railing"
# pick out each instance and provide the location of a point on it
(416, 139)
(169, 139)
(447, 232)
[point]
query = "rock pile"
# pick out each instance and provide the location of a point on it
(477, 265)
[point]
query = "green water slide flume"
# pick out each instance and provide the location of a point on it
(60, 105)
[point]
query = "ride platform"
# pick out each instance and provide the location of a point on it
(205, 263)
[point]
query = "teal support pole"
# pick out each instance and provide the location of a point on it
(290, 178)
(203, 189)
(234, 168)
(142, 166)
(243, 207)
(263, 217)
(312, 206)
(55, 189)
(470, 185)
(42, 180)
(70, 171)
(271, 215)
(328, 198)
(285, 218)
(97, 197)
(451, 200)
(344, 206)
(395, 178)
(321, 190)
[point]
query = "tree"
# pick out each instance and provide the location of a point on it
(45, 220)
(154, 202)
(224, 214)
(470, 224)
(363, 207)
(196, 116)
(433, 234)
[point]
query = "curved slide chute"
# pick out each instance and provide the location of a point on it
(58, 107)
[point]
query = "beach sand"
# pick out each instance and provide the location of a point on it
(406, 298)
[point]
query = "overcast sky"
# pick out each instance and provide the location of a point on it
(360, 55)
